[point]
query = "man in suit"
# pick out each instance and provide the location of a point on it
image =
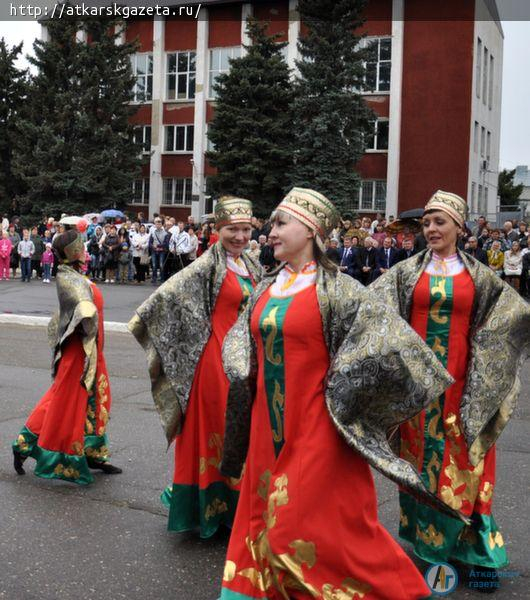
(407, 251)
(385, 258)
(366, 261)
(477, 252)
(349, 259)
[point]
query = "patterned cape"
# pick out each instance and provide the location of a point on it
(77, 311)
(500, 337)
(381, 374)
(173, 326)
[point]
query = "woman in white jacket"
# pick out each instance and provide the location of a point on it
(513, 265)
(140, 251)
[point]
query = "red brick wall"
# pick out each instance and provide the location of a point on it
(224, 25)
(181, 34)
(143, 30)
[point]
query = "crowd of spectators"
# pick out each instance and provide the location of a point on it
(134, 250)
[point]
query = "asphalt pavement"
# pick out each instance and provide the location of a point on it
(109, 540)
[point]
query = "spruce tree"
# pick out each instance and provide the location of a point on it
(252, 130)
(13, 83)
(76, 151)
(509, 193)
(331, 118)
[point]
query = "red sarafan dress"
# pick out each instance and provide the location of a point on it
(68, 424)
(434, 440)
(200, 496)
(306, 525)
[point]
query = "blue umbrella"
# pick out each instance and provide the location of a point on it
(112, 213)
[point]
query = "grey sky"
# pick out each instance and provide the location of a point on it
(515, 124)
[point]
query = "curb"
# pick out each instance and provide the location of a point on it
(33, 321)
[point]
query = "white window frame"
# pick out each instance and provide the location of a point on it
(374, 207)
(492, 74)
(482, 141)
(366, 42)
(488, 146)
(234, 51)
(145, 191)
(145, 137)
(188, 134)
(147, 76)
(374, 149)
(185, 199)
(478, 83)
(485, 67)
(189, 74)
(475, 137)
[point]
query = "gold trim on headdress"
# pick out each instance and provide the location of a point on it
(230, 210)
(311, 208)
(451, 204)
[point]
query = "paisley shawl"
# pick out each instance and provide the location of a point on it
(500, 337)
(173, 326)
(77, 312)
(381, 374)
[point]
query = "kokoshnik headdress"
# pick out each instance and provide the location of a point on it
(451, 204)
(230, 210)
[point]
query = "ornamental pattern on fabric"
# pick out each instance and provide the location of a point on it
(499, 344)
(173, 326)
(381, 375)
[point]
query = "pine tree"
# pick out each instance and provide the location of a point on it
(76, 151)
(252, 130)
(331, 118)
(13, 83)
(509, 193)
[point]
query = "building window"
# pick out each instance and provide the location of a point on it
(180, 76)
(142, 67)
(485, 77)
(140, 191)
(480, 206)
(179, 138)
(490, 93)
(370, 197)
(475, 137)
(486, 193)
(379, 140)
(220, 63)
(177, 191)
(473, 197)
(478, 69)
(377, 77)
(142, 135)
(482, 141)
(488, 146)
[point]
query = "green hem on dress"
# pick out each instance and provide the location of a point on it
(227, 594)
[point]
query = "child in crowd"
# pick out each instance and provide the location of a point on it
(26, 249)
(123, 262)
(46, 263)
(5, 252)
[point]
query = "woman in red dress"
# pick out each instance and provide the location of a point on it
(65, 433)
(306, 524)
(479, 329)
(183, 326)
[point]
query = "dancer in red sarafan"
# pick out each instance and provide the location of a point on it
(65, 433)
(334, 369)
(182, 326)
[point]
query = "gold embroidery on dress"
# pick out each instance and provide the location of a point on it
(452, 432)
(278, 402)
(434, 463)
(22, 444)
(431, 537)
(495, 539)
(434, 312)
(438, 347)
(468, 535)
(270, 321)
(216, 507)
(403, 519)
(97, 454)
(103, 398)
(486, 494)
(349, 589)
(68, 472)
(433, 421)
(77, 448)
(465, 480)
(229, 571)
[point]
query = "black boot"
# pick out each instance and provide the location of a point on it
(483, 579)
(106, 467)
(18, 461)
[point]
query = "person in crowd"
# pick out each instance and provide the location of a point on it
(254, 249)
(14, 260)
(214, 236)
(480, 225)
(522, 230)
(513, 265)
(4, 223)
(496, 258)
(124, 258)
(66, 432)
(385, 257)
(26, 249)
(158, 248)
(379, 234)
(333, 252)
(367, 261)
(310, 323)
(510, 234)
(47, 261)
(194, 244)
(96, 253)
(182, 327)
(266, 256)
(406, 251)
(179, 248)
(203, 238)
(111, 249)
(525, 283)
(349, 262)
(140, 251)
(38, 243)
(495, 236)
(471, 320)
(476, 252)
(5, 254)
(91, 229)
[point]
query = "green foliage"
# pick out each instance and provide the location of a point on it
(252, 130)
(508, 192)
(13, 84)
(331, 118)
(75, 150)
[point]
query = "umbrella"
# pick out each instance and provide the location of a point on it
(414, 225)
(70, 220)
(112, 213)
(413, 213)
(89, 216)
